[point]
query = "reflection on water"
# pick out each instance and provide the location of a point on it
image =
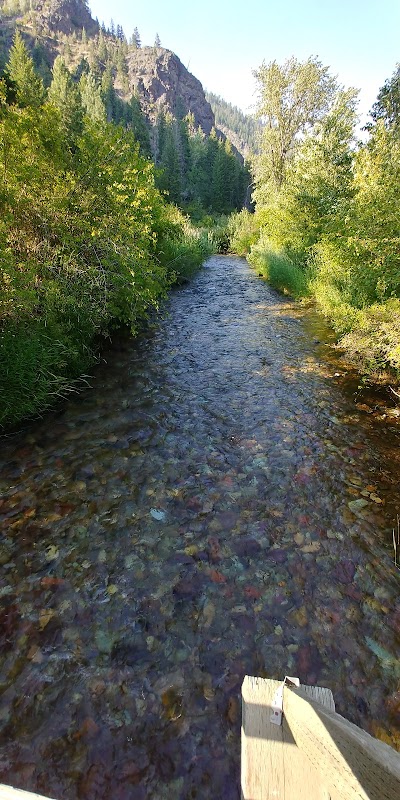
(216, 505)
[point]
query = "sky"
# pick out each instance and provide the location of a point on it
(223, 43)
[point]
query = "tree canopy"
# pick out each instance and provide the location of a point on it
(387, 105)
(327, 206)
(293, 97)
(20, 67)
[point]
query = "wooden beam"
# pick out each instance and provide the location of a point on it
(353, 764)
(273, 767)
(8, 793)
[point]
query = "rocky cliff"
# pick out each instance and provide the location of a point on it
(63, 16)
(155, 74)
(161, 82)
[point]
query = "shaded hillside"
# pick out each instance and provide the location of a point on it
(44, 24)
(241, 129)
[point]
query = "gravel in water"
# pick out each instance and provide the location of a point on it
(214, 507)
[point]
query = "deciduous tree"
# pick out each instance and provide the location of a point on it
(293, 98)
(387, 105)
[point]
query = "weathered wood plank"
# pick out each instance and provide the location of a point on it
(273, 768)
(321, 695)
(9, 793)
(354, 765)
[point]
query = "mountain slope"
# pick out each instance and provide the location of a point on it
(241, 129)
(145, 89)
(66, 27)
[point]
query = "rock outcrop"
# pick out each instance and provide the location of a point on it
(64, 16)
(155, 74)
(161, 82)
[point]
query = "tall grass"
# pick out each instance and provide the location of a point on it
(244, 229)
(368, 331)
(37, 368)
(280, 271)
(48, 342)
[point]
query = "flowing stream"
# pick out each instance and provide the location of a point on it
(216, 505)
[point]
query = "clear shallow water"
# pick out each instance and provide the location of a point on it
(214, 506)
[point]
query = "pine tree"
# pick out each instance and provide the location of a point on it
(82, 67)
(170, 177)
(191, 123)
(157, 41)
(137, 123)
(197, 178)
(30, 89)
(210, 155)
(101, 47)
(64, 93)
(220, 175)
(160, 134)
(120, 63)
(41, 62)
(91, 98)
(136, 37)
(183, 141)
(108, 93)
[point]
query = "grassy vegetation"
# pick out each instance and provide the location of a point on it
(280, 271)
(244, 231)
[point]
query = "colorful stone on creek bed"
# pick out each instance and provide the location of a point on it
(209, 509)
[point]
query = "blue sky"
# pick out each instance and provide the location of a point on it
(221, 43)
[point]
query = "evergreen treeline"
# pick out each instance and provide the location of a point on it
(86, 240)
(197, 170)
(327, 219)
(247, 128)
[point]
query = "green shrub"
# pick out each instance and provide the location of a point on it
(181, 246)
(280, 271)
(244, 231)
(219, 236)
(87, 244)
(374, 343)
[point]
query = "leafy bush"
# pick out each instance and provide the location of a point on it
(374, 343)
(181, 246)
(219, 235)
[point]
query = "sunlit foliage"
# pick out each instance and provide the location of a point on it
(86, 240)
(327, 207)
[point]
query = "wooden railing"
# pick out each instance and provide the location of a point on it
(315, 754)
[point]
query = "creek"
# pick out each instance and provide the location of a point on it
(215, 505)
